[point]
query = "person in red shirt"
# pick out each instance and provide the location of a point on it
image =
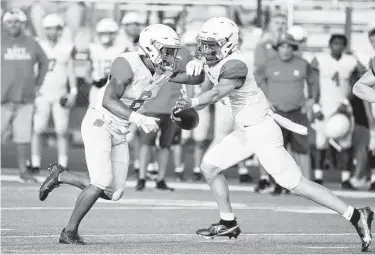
(19, 84)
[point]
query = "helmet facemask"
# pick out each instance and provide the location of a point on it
(167, 59)
(213, 50)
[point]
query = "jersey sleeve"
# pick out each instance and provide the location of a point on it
(233, 69)
(121, 70)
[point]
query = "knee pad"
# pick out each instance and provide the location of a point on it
(104, 183)
(117, 194)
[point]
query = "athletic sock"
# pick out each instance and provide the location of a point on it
(227, 216)
(63, 160)
(243, 171)
(345, 175)
(35, 160)
(352, 214)
(318, 174)
(265, 177)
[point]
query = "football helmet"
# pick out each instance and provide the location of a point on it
(160, 44)
(218, 37)
(337, 126)
(53, 25)
(106, 30)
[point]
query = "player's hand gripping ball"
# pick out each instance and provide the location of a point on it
(186, 119)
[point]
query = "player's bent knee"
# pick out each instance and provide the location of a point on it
(104, 183)
(210, 171)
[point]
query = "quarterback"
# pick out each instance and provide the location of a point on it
(228, 75)
(134, 78)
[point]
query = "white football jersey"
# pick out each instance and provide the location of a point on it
(144, 86)
(249, 104)
(102, 58)
(55, 81)
(334, 80)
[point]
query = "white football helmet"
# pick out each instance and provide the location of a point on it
(160, 44)
(337, 126)
(52, 21)
(106, 30)
(218, 37)
(53, 25)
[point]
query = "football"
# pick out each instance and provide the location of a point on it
(186, 119)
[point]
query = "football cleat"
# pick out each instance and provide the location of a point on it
(372, 187)
(263, 186)
(26, 177)
(197, 177)
(245, 178)
(161, 185)
(220, 229)
(52, 180)
(363, 227)
(141, 184)
(347, 185)
(70, 237)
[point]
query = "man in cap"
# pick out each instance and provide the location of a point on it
(282, 79)
(19, 85)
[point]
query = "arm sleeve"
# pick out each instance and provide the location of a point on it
(234, 69)
(43, 63)
(121, 70)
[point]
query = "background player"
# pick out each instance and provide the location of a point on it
(135, 77)
(102, 53)
(53, 96)
(227, 75)
(335, 68)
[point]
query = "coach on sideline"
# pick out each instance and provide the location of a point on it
(19, 84)
(283, 80)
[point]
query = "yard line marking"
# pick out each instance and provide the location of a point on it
(204, 186)
(184, 235)
(328, 247)
(6, 229)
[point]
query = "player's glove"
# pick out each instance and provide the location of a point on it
(194, 67)
(317, 113)
(148, 124)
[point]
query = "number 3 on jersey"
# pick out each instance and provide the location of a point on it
(138, 103)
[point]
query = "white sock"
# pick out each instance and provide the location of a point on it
(318, 174)
(373, 176)
(227, 216)
(136, 163)
(35, 160)
(242, 171)
(265, 177)
(63, 160)
(156, 166)
(179, 169)
(348, 213)
(345, 175)
(197, 170)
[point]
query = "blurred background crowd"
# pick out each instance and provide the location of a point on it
(294, 48)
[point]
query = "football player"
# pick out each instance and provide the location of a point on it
(134, 78)
(227, 75)
(102, 53)
(54, 98)
(364, 89)
(335, 68)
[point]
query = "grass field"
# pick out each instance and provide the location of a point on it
(156, 222)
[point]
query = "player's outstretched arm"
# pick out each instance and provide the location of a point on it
(183, 78)
(364, 87)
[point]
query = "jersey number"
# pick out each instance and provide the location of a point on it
(51, 64)
(138, 103)
(336, 78)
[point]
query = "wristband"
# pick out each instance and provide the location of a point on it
(194, 102)
(74, 91)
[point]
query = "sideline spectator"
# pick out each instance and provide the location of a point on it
(335, 69)
(265, 51)
(282, 80)
(132, 24)
(19, 84)
(54, 98)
